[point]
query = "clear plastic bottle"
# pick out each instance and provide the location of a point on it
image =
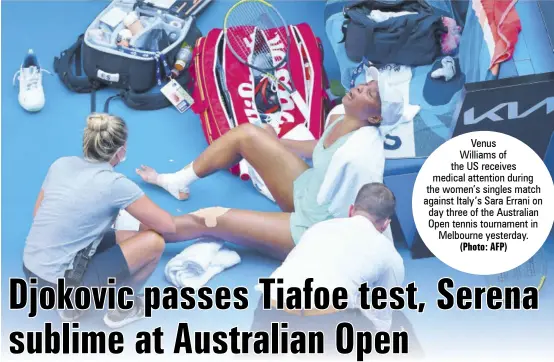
(184, 56)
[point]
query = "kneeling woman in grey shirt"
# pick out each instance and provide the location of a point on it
(77, 205)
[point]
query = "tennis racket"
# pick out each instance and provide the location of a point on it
(259, 37)
(532, 273)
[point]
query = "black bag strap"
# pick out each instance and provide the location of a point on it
(75, 82)
(357, 4)
(148, 101)
(107, 103)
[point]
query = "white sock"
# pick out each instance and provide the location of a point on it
(448, 70)
(178, 182)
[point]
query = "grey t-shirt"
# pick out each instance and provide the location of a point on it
(81, 201)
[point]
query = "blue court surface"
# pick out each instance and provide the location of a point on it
(168, 140)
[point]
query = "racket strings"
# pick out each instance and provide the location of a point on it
(250, 28)
(261, 53)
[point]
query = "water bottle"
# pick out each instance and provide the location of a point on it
(184, 56)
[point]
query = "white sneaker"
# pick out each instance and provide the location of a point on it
(31, 93)
(70, 315)
(120, 318)
(448, 70)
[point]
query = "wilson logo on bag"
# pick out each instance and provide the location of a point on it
(228, 93)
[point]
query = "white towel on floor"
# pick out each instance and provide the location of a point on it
(199, 263)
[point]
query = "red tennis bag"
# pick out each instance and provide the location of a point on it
(228, 93)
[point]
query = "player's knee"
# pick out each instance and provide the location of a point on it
(269, 129)
(156, 243)
(250, 132)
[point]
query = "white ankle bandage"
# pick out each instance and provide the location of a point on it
(177, 183)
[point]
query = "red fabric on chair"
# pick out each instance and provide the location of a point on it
(504, 25)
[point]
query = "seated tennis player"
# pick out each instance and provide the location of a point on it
(76, 207)
(349, 154)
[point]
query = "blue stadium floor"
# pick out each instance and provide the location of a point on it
(166, 140)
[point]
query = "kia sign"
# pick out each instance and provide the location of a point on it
(512, 109)
(522, 107)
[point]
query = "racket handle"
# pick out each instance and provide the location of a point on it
(541, 283)
(301, 105)
(243, 169)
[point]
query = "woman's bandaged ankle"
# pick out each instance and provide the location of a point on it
(210, 215)
(178, 182)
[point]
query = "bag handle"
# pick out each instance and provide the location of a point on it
(63, 67)
(357, 4)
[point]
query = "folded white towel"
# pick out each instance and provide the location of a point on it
(199, 263)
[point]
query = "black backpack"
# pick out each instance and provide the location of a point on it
(86, 67)
(411, 39)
